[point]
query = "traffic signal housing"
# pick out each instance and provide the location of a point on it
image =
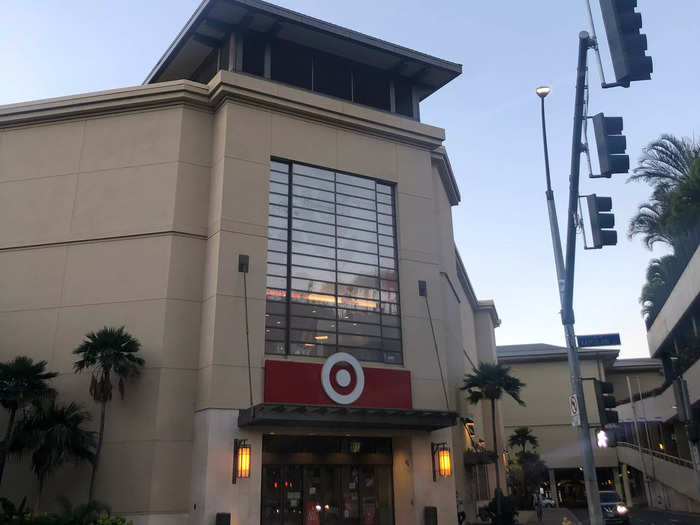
(605, 402)
(627, 44)
(601, 221)
(611, 145)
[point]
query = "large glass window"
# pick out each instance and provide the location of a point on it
(332, 274)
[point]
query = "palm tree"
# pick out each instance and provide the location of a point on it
(490, 381)
(522, 437)
(665, 164)
(111, 352)
(55, 435)
(662, 274)
(21, 382)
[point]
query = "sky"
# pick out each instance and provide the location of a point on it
(51, 48)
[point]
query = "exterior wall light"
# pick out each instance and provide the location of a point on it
(241, 459)
(444, 461)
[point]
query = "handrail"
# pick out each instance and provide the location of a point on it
(666, 457)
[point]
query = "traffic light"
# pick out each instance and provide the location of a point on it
(611, 145)
(601, 222)
(606, 438)
(605, 401)
(627, 44)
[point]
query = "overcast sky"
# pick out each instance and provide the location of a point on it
(491, 114)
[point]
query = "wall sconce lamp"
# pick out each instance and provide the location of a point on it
(241, 459)
(444, 461)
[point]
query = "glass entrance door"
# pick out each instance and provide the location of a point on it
(327, 480)
(282, 495)
(327, 495)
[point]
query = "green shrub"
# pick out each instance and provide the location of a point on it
(93, 513)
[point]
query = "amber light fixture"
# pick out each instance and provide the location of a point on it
(241, 459)
(443, 465)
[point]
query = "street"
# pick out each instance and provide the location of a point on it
(646, 516)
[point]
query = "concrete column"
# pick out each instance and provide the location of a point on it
(618, 482)
(626, 486)
(668, 367)
(553, 487)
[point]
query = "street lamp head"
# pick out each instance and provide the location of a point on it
(543, 91)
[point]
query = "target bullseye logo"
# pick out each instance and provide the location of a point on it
(342, 378)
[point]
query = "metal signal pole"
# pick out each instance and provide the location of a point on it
(565, 277)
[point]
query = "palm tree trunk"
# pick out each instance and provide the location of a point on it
(6, 442)
(97, 451)
(40, 489)
(495, 446)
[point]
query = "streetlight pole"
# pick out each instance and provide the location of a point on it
(542, 92)
(565, 276)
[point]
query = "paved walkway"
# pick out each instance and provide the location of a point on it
(647, 516)
(551, 517)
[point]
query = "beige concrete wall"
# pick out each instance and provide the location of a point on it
(238, 224)
(684, 293)
(547, 411)
(674, 487)
(138, 218)
(101, 223)
(648, 380)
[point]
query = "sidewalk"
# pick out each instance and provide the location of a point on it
(551, 517)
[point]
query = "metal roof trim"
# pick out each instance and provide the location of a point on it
(308, 22)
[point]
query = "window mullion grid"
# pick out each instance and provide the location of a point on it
(288, 312)
(335, 230)
(396, 267)
(379, 271)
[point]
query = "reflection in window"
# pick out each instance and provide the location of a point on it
(332, 283)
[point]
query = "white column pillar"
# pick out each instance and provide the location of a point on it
(626, 486)
(554, 493)
(618, 483)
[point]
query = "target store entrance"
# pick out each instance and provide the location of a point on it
(327, 480)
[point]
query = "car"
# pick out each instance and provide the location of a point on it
(614, 509)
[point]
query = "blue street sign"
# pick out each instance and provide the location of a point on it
(584, 341)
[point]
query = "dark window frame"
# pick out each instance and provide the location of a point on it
(373, 285)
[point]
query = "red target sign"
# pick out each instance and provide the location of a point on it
(339, 380)
(342, 378)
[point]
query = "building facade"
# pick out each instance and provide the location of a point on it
(270, 218)
(660, 442)
(545, 371)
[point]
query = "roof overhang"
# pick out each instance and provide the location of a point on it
(608, 355)
(333, 416)
(214, 19)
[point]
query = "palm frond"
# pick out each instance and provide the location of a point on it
(54, 434)
(490, 381)
(106, 352)
(23, 381)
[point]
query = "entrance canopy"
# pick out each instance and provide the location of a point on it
(276, 414)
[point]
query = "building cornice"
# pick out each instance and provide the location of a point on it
(178, 92)
(487, 306)
(228, 86)
(609, 355)
(248, 89)
(442, 162)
